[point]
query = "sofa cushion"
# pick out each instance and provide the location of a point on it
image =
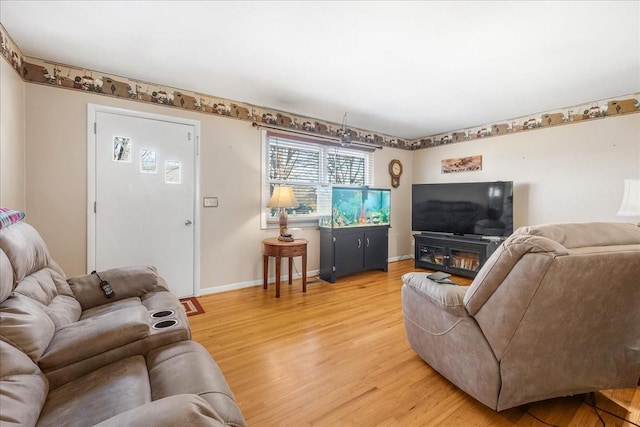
(63, 310)
(187, 367)
(23, 388)
(89, 337)
(50, 289)
(98, 396)
(25, 249)
(126, 282)
(6, 276)
(45, 284)
(24, 324)
(108, 308)
(179, 410)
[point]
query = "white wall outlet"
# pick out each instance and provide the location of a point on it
(210, 202)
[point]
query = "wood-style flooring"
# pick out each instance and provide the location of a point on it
(338, 356)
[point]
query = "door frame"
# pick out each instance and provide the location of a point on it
(92, 111)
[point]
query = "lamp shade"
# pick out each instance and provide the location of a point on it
(282, 197)
(630, 205)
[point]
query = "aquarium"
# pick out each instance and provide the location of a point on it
(354, 207)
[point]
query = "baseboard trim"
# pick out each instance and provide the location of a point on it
(399, 258)
(242, 285)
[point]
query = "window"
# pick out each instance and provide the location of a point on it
(310, 167)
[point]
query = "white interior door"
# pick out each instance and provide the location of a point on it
(145, 192)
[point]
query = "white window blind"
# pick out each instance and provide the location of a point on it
(310, 168)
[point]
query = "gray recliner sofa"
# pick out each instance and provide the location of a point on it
(555, 311)
(72, 356)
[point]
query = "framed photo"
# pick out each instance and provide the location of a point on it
(121, 149)
(148, 163)
(172, 172)
(461, 164)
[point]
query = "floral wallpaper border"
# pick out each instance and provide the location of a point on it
(70, 77)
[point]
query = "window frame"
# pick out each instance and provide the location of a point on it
(324, 148)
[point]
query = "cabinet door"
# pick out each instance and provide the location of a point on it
(465, 259)
(432, 254)
(349, 252)
(376, 249)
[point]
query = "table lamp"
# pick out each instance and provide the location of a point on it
(282, 198)
(630, 205)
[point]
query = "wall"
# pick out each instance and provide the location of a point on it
(230, 169)
(569, 173)
(562, 173)
(12, 135)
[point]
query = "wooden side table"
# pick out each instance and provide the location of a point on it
(279, 249)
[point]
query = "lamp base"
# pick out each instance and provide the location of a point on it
(285, 238)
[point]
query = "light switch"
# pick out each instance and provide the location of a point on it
(210, 202)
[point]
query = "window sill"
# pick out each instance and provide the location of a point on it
(293, 221)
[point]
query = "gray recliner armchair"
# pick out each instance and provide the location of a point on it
(555, 311)
(70, 355)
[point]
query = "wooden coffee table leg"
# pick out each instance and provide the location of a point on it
(304, 272)
(265, 271)
(278, 259)
(290, 269)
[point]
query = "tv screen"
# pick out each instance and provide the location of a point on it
(472, 208)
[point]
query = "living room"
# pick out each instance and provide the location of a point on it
(573, 172)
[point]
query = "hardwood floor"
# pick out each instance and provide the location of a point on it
(338, 356)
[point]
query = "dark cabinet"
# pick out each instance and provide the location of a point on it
(454, 254)
(347, 251)
(376, 249)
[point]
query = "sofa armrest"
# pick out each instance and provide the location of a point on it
(126, 282)
(447, 297)
(177, 410)
(162, 284)
(95, 335)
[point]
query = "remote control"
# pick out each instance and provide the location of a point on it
(106, 288)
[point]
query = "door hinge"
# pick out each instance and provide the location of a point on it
(95, 128)
(95, 207)
(197, 145)
(334, 268)
(188, 136)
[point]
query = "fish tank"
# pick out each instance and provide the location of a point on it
(343, 207)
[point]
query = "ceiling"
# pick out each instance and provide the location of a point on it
(406, 69)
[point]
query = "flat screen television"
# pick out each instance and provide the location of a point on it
(471, 208)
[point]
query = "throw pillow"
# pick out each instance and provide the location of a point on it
(9, 216)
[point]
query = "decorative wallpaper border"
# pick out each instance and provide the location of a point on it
(603, 108)
(70, 77)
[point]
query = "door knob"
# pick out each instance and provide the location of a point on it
(188, 222)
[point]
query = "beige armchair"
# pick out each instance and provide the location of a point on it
(554, 312)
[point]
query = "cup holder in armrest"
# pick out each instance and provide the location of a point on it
(164, 324)
(162, 313)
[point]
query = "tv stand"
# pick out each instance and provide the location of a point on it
(461, 255)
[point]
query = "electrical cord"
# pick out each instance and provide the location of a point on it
(592, 396)
(595, 407)
(539, 420)
(590, 400)
(295, 267)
